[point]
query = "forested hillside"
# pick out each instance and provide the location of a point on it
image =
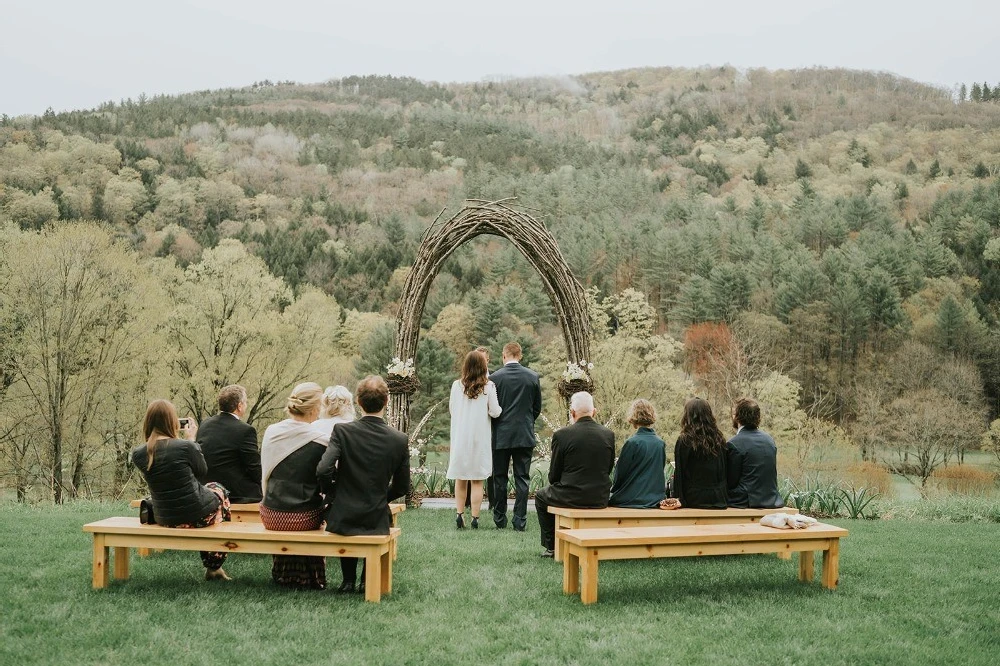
(828, 240)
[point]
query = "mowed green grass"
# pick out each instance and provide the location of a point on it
(910, 593)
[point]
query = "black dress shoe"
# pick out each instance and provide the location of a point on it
(346, 588)
(518, 529)
(548, 552)
(475, 522)
(361, 587)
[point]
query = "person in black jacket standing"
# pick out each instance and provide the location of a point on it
(580, 474)
(513, 434)
(366, 464)
(230, 447)
(751, 461)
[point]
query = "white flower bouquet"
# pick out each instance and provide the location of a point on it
(401, 376)
(576, 378)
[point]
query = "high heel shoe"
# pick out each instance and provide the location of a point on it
(459, 523)
(475, 522)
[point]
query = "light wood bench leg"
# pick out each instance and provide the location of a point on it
(806, 566)
(121, 563)
(560, 547)
(831, 558)
(588, 572)
(387, 570)
(784, 555)
(373, 577)
(143, 552)
(100, 577)
(571, 571)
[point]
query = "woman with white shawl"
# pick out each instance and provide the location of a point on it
(289, 454)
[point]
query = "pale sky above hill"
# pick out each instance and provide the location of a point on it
(69, 54)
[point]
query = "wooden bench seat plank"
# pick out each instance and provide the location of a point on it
(585, 548)
(567, 518)
(122, 533)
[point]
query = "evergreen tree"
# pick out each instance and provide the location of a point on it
(760, 176)
(980, 171)
(935, 170)
(729, 292)
(987, 93)
(802, 170)
(977, 93)
(882, 300)
(692, 305)
(803, 286)
(911, 168)
(962, 93)
(489, 319)
(950, 325)
(848, 316)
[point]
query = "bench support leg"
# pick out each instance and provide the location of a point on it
(373, 576)
(571, 571)
(143, 552)
(806, 566)
(121, 563)
(100, 577)
(387, 558)
(784, 555)
(588, 572)
(831, 558)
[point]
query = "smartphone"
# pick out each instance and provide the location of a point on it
(185, 422)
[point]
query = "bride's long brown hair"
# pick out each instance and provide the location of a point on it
(474, 374)
(699, 430)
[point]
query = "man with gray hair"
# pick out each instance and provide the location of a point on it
(583, 454)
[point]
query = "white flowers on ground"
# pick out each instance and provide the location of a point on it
(577, 370)
(400, 368)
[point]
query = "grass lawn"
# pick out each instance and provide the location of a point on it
(911, 592)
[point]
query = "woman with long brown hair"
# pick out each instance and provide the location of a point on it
(700, 459)
(473, 402)
(175, 469)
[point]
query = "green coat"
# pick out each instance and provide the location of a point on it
(639, 481)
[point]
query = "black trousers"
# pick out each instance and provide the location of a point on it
(349, 570)
(520, 459)
(546, 522)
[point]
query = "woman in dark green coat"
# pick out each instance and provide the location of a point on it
(639, 481)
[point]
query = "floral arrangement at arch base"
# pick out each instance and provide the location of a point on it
(401, 376)
(576, 378)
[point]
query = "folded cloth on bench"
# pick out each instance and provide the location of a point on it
(787, 521)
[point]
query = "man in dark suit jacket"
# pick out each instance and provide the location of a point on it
(366, 465)
(520, 396)
(751, 461)
(580, 474)
(230, 447)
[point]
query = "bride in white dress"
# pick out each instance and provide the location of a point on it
(473, 402)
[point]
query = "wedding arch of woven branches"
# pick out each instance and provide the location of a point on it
(531, 238)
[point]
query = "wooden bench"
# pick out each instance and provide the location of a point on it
(578, 519)
(584, 549)
(250, 513)
(232, 537)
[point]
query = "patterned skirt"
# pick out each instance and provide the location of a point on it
(296, 570)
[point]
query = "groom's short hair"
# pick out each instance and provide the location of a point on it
(512, 350)
(372, 394)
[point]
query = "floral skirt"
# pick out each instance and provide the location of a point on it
(212, 560)
(296, 570)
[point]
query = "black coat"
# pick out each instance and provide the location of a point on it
(699, 478)
(520, 396)
(366, 464)
(175, 482)
(292, 485)
(580, 474)
(230, 448)
(752, 470)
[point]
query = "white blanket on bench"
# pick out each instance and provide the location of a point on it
(787, 521)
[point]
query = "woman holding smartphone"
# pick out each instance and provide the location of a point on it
(174, 469)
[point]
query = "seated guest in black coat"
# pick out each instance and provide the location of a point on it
(639, 480)
(174, 470)
(290, 452)
(230, 447)
(366, 465)
(579, 477)
(700, 459)
(752, 461)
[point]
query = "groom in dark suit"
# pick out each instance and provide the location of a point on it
(230, 447)
(520, 396)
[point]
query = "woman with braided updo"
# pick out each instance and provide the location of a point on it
(700, 459)
(289, 454)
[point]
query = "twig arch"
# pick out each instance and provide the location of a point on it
(533, 241)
